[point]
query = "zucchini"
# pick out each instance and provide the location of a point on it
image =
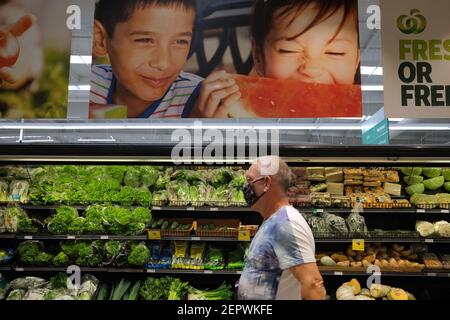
(113, 286)
(174, 225)
(121, 289)
(160, 222)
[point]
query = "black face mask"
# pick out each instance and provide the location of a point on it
(250, 195)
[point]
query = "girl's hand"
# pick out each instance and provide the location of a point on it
(219, 90)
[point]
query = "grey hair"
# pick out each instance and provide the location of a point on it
(275, 167)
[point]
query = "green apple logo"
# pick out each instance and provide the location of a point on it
(415, 23)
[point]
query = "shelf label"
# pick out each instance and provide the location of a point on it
(151, 270)
(338, 273)
(71, 237)
(18, 269)
(156, 208)
(319, 210)
(420, 211)
(244, 235)
(445, 211)
(429, 240)
(431, 274)
(28, 237)
(195, 238)
(104, 237)
(214, 209)
(154, 234)
(358, 244)
(207, 272)
(238, 272)
(190, 208)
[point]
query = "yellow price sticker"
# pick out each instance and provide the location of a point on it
(244, 235)
(358, 244)
(154, 234)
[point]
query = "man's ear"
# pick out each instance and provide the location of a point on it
(258, 59)
(99, 46)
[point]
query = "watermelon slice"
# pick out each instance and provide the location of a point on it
(97, 111)
(285, 98)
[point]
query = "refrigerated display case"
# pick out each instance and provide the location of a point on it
(199, 231)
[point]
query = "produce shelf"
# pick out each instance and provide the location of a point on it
(7, 236)
(439, 274)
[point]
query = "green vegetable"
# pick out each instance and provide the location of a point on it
(28, 251)
(43, 259)
(139, 255)
(447, 186)
(17, 220)
(61, 222)
(59, 281)
(60, 260)
(134, 291)
(446, 174)
(156, 289)
(178, 290)
(103, 292)
(121, 289)
(165, 225)
(412, 171)
(224, 292)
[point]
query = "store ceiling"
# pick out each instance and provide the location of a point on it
(370, 41)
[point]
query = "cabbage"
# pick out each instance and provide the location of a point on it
(434, 183)
(415, 188)
(447, 186)
(442, 228)
(432, 172)
(410, 180)
(416, 171)
(446, 174)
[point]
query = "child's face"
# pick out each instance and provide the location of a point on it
(314, 56)
(149, 50)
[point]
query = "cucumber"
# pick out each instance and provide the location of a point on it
(174, 225)
(154, 225)
(121, 289)
(160, 222)
(134, 291)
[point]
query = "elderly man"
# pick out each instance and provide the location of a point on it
(281, 260)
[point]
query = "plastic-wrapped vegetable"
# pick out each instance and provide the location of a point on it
(28, 283)
(36, 294)
(356, 222)
(149, 176)
(4, 287)
(6, 256)
(2, 221)
(221, 196)
(16, 294)
(88, 287)
(194, 195)
(442, 228)
(317, 223)
(132, 177)
(335, 223)
(215, 259)
(19, 191)
(424, 228)
(4, 194)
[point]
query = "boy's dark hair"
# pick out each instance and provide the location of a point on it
(264, 14)
(112, 12)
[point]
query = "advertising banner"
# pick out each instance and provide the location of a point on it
(34, 59)
(225, 59)
(416, 58)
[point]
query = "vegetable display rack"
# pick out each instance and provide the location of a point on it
(369, 235)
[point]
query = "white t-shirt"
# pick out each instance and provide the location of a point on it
(282, 242)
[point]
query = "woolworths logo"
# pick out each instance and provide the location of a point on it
(415, 23)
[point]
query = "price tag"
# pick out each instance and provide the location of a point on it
(238, 272)
(151, 270)
(156, 208)
(71, 237)
(431, 274)
(154, 234)
(445, 211)
(207, 272)
(213, 209)
(18, 269)
(190, 209)
(244, 235)
(429, 240)
(358, 244)
(338, 273)
(28, 237)
(320, 210)
(104, 237)
(420, 211)
(195, 238)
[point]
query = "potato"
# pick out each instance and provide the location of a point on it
(384, 263)
(401, 263)
(393, 263)
(339, 257)
(377, 262)
(343, 264)
(366, 263)
(351, 253)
